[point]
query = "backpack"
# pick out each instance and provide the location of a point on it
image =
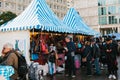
(22, 65)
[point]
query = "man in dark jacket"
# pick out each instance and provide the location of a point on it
(111, 58)
(70, 57)
(96, 55)
(87, 54)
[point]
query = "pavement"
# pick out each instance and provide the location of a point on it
(80, 75)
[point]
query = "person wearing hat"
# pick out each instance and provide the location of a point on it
(71, 48)
(110, 56)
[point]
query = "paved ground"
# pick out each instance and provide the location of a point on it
(82, 76)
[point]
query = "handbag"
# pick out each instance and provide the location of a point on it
(85, 58)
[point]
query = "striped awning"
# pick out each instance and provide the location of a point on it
(37, 15)
(74, 20)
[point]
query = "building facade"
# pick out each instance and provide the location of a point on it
(59, 7)
(70, 3)
(101, 15)
(15, 6)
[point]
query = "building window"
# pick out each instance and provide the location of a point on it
(101, 2)
(23, 8)
(19, 7)
(57, 7)
(118, 10)
(112, 1)
(103, 20)
(50, 5)
(54, 6)
(102, 11)
(119, 20)
(119, 1)
(0, 12)
(6, 4)
(112, 20)
(111, 10)
(0, 4)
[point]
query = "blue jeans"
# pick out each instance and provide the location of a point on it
(97, 66)
(51, 68)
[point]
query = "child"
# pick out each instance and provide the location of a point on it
(51, 63)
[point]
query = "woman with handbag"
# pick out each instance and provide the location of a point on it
(87, 57)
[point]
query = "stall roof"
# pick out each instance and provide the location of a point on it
(73, 19)
(37, 15)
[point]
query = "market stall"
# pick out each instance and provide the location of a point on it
(74, 20)
(36, 16)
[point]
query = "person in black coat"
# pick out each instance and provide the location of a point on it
(69, 63)
(96, 56)
(87, 53)
(111, 58)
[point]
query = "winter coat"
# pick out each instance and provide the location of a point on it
(110, 55)
(71, 47)
(87, 52)
(95, 51)
(11, 59)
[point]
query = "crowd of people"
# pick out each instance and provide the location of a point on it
(90, 52)
(94, 52)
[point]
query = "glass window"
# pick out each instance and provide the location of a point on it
(19, 7)
(0, 4)
(119, 20)
(0, 12)
(6, 4)
(102, 11)
(54, 6)
(57, 7)
(103, 20)
(24, 8)
(101, 2)
(112, 1)
(111, 10)
(119, 10)
(50, 5)
(118, 1)
(112, 20)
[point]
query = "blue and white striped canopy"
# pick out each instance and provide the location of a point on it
(37, 15)
(74, 20)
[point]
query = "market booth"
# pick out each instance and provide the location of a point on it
(74, 20)
(37, 16)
